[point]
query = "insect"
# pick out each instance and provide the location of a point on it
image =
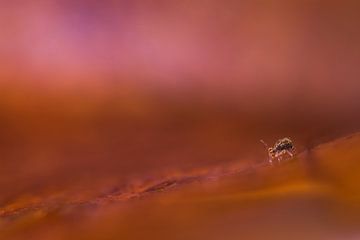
(281, 148)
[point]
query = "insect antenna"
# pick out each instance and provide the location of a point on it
(263, 142)
(268, 150)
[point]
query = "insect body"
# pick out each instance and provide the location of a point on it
(281, 148)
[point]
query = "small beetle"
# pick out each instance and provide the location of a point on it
(281, 147)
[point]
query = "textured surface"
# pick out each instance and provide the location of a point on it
(316, 196)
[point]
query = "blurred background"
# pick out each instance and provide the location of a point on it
(100, 90)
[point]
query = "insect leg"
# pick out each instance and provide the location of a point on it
(279, 155)
(288, 152)
(270, 159)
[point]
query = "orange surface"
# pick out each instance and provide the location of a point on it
(142, 119)
(314, 196)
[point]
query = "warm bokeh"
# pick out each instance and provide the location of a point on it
(97, 96)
